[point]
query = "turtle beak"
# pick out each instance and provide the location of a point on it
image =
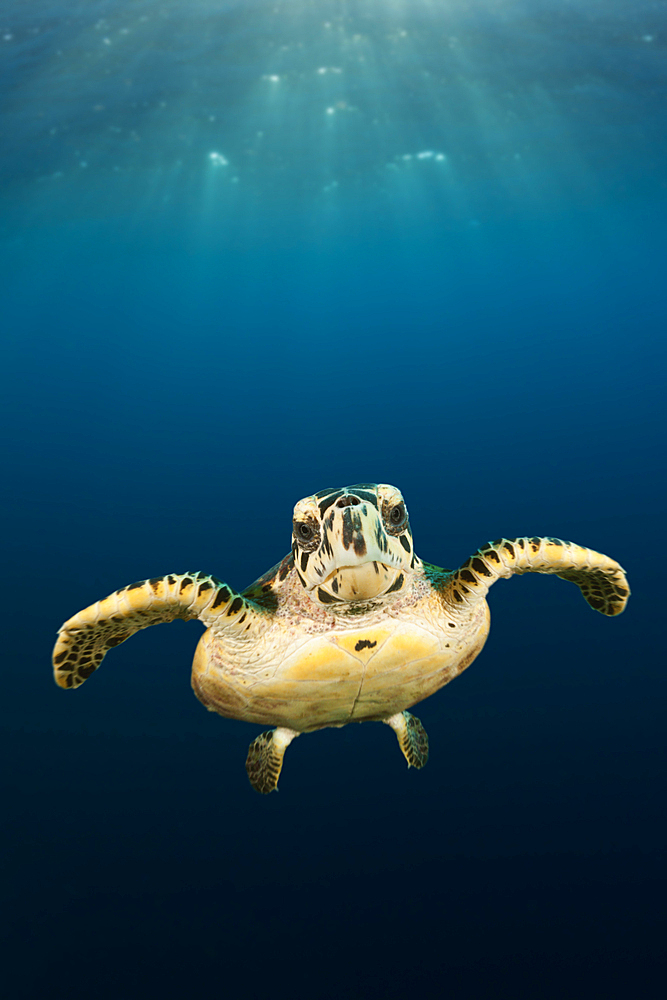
(359, 582)
(354, 561)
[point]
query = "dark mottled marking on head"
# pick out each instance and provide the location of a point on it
(363, 494)
(376, 568)
(326, 598)
(351, 525)
(348, 500)
(242, 618)
(360, 547)
(334, 585)
(185, 582)
(405, 542)
(397, 584)
(221, 597)
(328, 500)
(510, 548)
(304, 560)
(300, 577)
(465, 574)
(267, 587)
(115, 640)
(365, 644)
(348, 528)
(457, 596)
(463, 589)
(412, 561)
(235, 606)
(135, 586)
(326, 546)
(480, 567)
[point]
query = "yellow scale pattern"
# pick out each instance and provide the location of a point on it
(84, 640)
(601, 580)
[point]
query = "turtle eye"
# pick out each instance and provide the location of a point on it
(306, 535)
(395, 517)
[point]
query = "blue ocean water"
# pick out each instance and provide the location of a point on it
(253, 249)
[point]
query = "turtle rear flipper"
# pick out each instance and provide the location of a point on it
(412, 737)
(265, 758)
(84, 640)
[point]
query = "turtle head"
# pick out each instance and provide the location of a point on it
(352, 544)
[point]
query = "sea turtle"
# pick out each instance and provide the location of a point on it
(350, 626)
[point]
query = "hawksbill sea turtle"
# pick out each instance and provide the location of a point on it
(351, 626)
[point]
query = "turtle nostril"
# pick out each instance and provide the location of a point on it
(348, 501)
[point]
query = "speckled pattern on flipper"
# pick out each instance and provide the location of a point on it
(85, 639)
(601, 580)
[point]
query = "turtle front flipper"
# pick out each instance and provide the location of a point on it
(84, 640)
(412, 737)
(265, 758)
(601, 580)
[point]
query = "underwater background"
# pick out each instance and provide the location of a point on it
(253, 249)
